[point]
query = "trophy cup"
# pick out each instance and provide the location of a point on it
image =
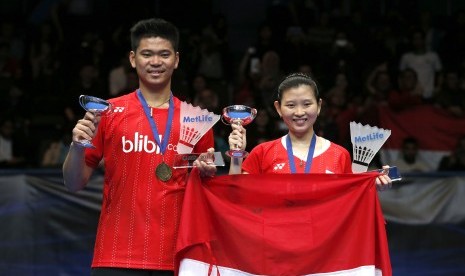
(98, 107)
(241, 115)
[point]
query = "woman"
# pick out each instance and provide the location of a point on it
(301, 150)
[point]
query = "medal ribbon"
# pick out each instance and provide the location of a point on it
(290, 155)
(164, 143)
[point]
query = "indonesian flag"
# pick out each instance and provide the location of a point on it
(282, 224)
(436, 131)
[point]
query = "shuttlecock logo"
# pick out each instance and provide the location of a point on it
(366, 142)
(195, 122)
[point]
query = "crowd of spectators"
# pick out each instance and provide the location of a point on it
(360, 61)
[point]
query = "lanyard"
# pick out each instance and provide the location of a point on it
(290, 155)
(164, 143)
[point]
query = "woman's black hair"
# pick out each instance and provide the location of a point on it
(295, 80)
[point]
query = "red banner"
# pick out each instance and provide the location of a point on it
(434, 128)
(281, 224)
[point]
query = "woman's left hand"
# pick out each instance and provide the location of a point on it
(383, 181)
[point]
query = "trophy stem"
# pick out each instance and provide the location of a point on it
(237, 153)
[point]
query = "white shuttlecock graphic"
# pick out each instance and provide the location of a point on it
(366, 142)
(195, 122)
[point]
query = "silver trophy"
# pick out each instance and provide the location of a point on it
(96, 106)
(241, 115)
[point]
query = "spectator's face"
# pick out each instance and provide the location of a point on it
(383, 82)
(199, 83)
(88, 73)
(341, 80)
(207, 99)
(271, 61)
(262, 118)
(265, 33)
(155, 61)
(7, 129)
(460, 154)
(418, 41)
(408, 81)
(4, 52)
(452, 80)
(410, 151)
(337, 98)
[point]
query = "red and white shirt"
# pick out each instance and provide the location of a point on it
(140, 214)
(271, 157)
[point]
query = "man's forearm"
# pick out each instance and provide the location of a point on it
(76, 173)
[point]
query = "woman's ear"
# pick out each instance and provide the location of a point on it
(320, 103)
(277, 106)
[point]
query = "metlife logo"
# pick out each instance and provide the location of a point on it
(369, 137)
(142, 143)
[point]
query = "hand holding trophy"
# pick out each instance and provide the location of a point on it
(241, 115)
(96, 106)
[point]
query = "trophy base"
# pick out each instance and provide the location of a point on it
(237, 153)
(186, 160)
(392, 172)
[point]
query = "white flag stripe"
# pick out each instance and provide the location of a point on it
(190, 267)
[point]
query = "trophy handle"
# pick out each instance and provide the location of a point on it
(224, 121)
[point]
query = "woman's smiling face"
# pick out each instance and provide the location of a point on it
(299, 109)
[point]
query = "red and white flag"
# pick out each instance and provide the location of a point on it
(436, 131)
(279, 224)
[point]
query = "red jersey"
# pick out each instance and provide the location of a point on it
(140, 214)
(271, 157)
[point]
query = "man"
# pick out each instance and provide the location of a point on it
(143, 194)
(427, 64)
(409, 160)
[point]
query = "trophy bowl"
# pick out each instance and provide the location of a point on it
(96, 106)
(241, 115)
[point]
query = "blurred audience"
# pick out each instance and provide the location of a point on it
(424, 62)
(408, 94)
(60, 52)
(378, 83)
(455, 161)
(449, 95)
(120, 77)
(55, 152)
(409, 160)
(262, 129)
(10, 67)
(271, 74)
(8, 149)
(208, 99)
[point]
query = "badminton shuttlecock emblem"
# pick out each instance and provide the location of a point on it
(366, 142)
(195, 122)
